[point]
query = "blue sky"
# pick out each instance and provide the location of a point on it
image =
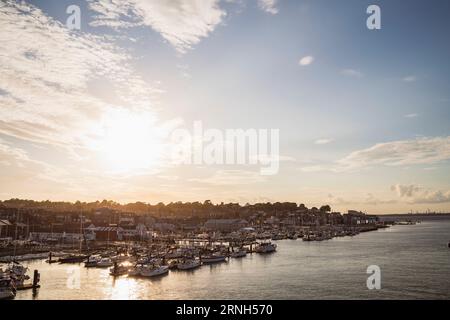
(365, 124)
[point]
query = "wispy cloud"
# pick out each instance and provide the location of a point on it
(323, 141)
(268, 6)
(396, 153)
(410, 78)
(352, 73)
(306, 61)
(183, 23)
(47, 72)
(411, 115)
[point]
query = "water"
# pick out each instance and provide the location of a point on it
(414, 262)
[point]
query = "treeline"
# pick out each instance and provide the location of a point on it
(175, 208)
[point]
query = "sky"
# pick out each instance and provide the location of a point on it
(363, 115)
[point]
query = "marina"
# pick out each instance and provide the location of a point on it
(287, 268)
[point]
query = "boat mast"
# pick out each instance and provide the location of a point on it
(81, 229)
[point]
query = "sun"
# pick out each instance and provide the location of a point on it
(129, 141)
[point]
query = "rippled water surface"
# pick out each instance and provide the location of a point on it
(414, 262)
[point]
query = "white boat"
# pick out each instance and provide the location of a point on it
(105, 263)
(154, 271)
(214, 258)
(189, 264)
(239, 254)
(92, 261)
(266, 248)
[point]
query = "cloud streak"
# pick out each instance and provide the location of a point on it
(323, 141)
(396, 153)
(46, 75)
(183, 23)
(306, 61)
(268, 6)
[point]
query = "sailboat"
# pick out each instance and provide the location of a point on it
(239, 254)
(266, 247)
(189, 264)
(76, 258)
(154, 271)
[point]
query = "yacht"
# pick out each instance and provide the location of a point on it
(189, 264)
(239, 254)
(154, 271)
(73, 258)
(266, 248)
(174, 254)
(105, 263)
(278, 236)
(92, 261)
(214, 258)
(309, 237)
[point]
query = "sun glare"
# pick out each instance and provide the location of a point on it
(130, 141)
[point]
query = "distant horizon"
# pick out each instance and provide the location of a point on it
(225, 203)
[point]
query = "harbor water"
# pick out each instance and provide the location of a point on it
(414, 261)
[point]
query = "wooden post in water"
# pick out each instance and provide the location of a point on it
(36, 279)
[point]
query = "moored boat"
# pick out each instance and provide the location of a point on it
(266, 248)
(189, 264)
(105, 263)
(73, 258)
(92, 261)
(214, 258)
(154, 271)
(239, 254)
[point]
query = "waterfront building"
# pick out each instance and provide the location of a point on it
(4, 224)
(225, 224)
